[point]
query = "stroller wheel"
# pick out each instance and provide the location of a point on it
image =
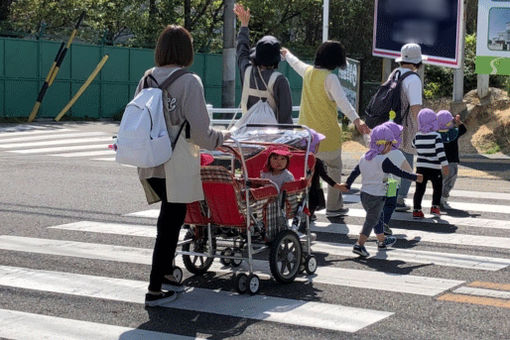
(310, 264)
(253, 284)
(177, 274)
(241, 283)
(285, 256)
(237, 253)
(226, 252)
(197, 264)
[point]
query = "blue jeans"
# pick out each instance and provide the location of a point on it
(405, 183)
(389, 207)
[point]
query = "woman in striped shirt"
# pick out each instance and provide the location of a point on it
(431, 160)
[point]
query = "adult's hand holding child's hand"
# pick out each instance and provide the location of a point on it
(342, 187)
(419, 178)
(446, 170)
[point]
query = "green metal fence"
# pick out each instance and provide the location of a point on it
(25, 63)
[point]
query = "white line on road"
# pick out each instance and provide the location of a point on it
(85, 154)
(32, 132)
(494, 208)
(479, 241)
(56, 142)
(66, 148)
(399, 216)
(409, 284)
(11, 141)
(257, 307)
(28, 326)
(339, 249)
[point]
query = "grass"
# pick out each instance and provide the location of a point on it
(492, 149)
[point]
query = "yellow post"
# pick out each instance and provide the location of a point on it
(82, 88)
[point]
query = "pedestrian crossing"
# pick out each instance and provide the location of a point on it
(453, 278)
(56, 141)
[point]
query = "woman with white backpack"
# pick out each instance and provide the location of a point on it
(177, 181)
(258, 73)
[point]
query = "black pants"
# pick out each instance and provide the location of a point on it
(170, 220)
(436, 177)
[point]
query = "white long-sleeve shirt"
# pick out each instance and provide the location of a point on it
(332, 86)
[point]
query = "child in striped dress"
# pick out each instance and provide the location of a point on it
(430, 161)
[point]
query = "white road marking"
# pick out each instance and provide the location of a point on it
(56, 142)
(410, 284)
(55, 135)
(339, 249)
(85, 154)
(28, 326)
(67, 148)
(30, 132)
(256, 307)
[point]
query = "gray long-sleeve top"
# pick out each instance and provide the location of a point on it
(281, 89)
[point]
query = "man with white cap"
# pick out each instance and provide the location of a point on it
(410, 60)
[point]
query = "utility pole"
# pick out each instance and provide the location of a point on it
(457, 105)
(229, 55)
(325, 20)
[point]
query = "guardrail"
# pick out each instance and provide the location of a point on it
(212, 110)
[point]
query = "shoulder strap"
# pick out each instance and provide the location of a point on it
(176, 74)
(269, 89)
(246, 86)
(146, 80)
(407, 74)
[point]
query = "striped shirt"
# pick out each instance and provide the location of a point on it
(430, 149)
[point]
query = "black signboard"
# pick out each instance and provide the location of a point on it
(433, 24)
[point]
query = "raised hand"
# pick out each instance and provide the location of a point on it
(242, 14)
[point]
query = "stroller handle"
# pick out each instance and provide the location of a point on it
(282, 126)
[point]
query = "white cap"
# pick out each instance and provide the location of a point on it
(410, 53)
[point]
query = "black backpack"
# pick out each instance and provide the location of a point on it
(387, 98)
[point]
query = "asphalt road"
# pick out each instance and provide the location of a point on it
(446, 279)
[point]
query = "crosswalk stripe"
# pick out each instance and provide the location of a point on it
(495, 208)
(32, 132)
(62, 148)
(339, 249)
(257, 307)
(410, 284)
(462, 193)
(403, 216)
(483, 292)
(10, 142)
(56, 142)
(26, 128)
(107, 159)
(422, 236)
(29, 326)
(85, 154)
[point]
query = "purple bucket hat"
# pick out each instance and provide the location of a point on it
(397, 132)
(316, 138)
(427, 121)
(379, 136)
(445, 120)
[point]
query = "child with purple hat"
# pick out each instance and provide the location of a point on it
(397, 157)
(450, 129)
(430, 161)
(374, 167)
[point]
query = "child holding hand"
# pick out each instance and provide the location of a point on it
(374, 167)
(450, 129)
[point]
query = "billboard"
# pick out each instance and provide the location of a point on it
(433, 24)
(493, 37)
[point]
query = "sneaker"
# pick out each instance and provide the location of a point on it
(434, 210)
(418, 214)
(360, 250)
(444, 204)
(171, 284)
(388, 242)
(401, 206)
(387, 230)
(152, 300)
(302, 236)
(338, 212)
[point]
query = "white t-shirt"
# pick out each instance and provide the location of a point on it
(412, 87)
(373, 178)
(397, 158)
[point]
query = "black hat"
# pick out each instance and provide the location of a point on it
(266, 52)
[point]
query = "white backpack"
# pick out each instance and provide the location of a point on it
(143, 140)
(263, 111)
